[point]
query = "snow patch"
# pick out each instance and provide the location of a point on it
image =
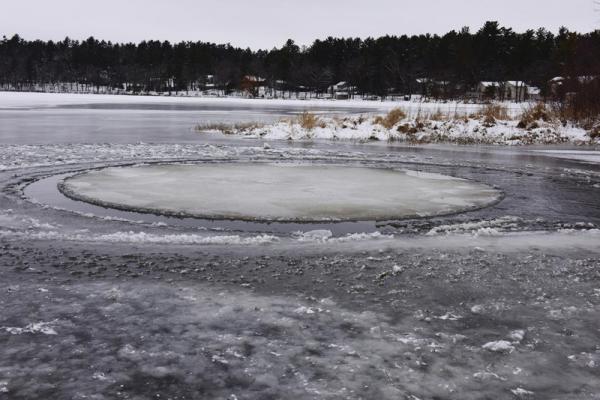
(46, 328)
(146, 238)
(517, 336)
(320, 235)
(500, 346)
(520, 392)
(326, 236)
(479, 228)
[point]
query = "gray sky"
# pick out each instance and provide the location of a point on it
(268, 23)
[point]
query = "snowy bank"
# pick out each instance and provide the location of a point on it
(418, 128)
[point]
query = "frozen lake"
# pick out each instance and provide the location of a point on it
(497, 302)
(40, 118)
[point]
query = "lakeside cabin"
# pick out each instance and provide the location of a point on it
(507, 90)
(340, 91)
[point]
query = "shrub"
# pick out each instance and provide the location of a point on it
(495, 111)
(539, 112)
(582, 105)
(489, 121)
(391, 118)
(595, 132)
(438, 116)
(309, 121)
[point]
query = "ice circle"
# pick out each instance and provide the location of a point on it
(278, 192)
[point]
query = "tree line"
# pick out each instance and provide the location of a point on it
(377, 66)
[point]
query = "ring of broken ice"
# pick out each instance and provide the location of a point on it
(278, 192)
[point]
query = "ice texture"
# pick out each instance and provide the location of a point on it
(284, 192)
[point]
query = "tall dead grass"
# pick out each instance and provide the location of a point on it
(539, 112)
(310, 121)
(438, 115)
(495, 111)
(491, 113)
(582, 105)
(391, 118)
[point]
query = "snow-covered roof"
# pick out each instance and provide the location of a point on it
(253, 78)
(506, 83)
(585, 78)
(581, 79)
(429, 80)
(533, 90)
(489, 84)
(338, 86)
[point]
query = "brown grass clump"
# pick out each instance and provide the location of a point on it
(310, 121)
(378, 120)
(438, 116)
(595, 132)
(489, 121)
(407, 129)
(391, 118)
(495, 111)
(580, 103)
(539, 112)
(466, 140)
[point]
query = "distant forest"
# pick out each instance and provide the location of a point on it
(377, 66)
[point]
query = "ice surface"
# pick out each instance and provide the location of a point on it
(285, 192)
(580, 155)
(23, 100)
(180, 339)
(17, 100)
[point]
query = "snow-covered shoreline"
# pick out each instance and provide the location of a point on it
(418, 128)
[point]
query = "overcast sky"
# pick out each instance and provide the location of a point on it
(268, 23)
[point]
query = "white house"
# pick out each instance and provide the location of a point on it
(488, 89)
(534, 93)
(340, 91)
(515, 90)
